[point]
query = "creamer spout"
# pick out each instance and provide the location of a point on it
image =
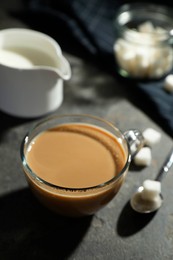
(63, 68)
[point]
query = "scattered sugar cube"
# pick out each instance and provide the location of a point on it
(143, 157)
(168, 83)
(151, 136)
(151, 189)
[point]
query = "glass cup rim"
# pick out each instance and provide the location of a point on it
(54, 186)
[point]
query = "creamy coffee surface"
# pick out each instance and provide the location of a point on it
(75, 156)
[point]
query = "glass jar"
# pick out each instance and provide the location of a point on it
(144, 38)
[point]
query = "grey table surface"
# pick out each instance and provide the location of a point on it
(29, 231)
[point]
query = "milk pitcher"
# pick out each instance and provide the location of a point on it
(32, 72)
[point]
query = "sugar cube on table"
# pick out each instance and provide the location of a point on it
(168, 83)
(151, 136)
(143, 157)
(151, 189)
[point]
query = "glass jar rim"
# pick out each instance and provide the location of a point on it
(40, 180)
(123, 16)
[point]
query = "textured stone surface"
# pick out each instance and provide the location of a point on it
(29, 231)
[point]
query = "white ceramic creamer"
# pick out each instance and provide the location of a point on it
(32, 71)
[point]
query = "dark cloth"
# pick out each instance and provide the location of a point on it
(85, 28)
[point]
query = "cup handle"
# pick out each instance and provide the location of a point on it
(135, 140)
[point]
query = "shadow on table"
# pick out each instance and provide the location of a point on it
(9, 121)
(29, 231)
(131, 222)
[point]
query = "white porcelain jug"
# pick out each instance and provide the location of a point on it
(32, 71)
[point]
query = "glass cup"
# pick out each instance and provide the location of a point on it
(144, 38)
(80, 201)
